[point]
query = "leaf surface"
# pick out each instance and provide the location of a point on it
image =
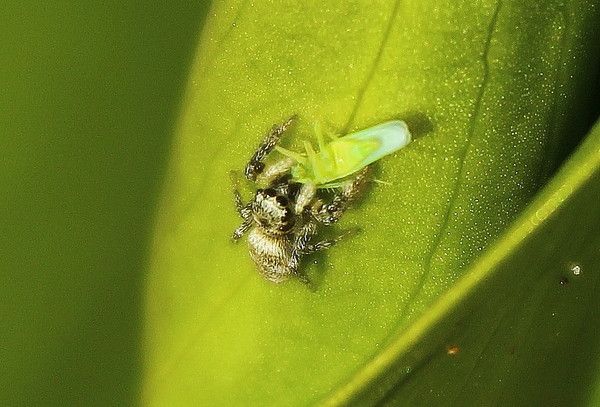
(490, 89)
(519, 328)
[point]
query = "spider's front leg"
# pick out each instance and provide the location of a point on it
(306, 195)
(275, 171)
(256, 164)
(329, 213)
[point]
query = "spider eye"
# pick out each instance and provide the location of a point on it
(270, 192)
(286, 227)
(282, 200)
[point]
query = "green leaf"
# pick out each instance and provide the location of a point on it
(495, 93)
(518, 322)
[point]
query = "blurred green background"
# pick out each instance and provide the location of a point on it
(88, 94)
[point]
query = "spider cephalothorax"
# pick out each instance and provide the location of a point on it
(284, 216)
(273, 211)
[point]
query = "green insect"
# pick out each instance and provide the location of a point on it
(344, 156)
(342, 163)
(288, 209)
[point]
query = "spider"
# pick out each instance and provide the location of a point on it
(284, 216)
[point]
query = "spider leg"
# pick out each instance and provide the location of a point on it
(256, 165)
(239, 203)
(301, 241)
(330, 213)
(243, 228)
(244, 210)
(305, 196)
(275, 171)
(326, 244)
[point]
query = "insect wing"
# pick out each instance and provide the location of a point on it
(357, 150)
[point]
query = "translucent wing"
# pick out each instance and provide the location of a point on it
(357, 150)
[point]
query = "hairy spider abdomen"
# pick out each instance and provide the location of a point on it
(272, 254)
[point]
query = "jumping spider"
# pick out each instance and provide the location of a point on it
(284, 216)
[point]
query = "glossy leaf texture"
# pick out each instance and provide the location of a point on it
(518, 329)
(495, 93)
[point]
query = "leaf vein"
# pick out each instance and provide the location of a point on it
(463, 157)
(371, 74)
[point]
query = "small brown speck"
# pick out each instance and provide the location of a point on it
(452, 350)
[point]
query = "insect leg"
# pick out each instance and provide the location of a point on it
(319, 134)
(255, 166)
(350, 192)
